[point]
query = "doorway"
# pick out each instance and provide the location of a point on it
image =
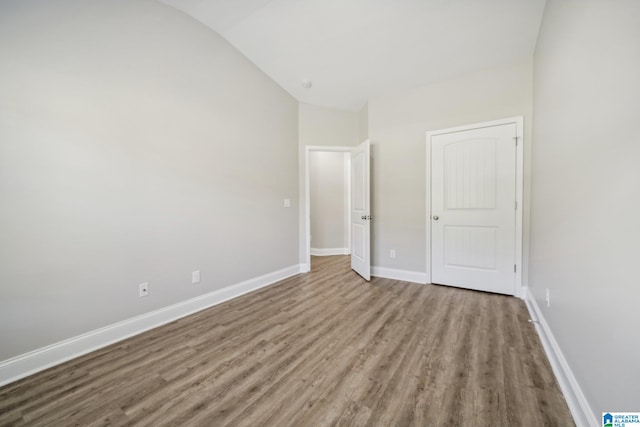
(315, 157)
(475, 206)
(329, 197)
(358, 214)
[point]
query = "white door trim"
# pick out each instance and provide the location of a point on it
(519, 122)
(307, 198)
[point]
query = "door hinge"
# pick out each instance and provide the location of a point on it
(516, 205)
(515, 138)
(515, 268)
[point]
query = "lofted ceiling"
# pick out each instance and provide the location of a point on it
(355, 49)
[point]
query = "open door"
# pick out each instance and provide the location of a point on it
(360, 211)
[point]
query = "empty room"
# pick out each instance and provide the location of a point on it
(319, 212)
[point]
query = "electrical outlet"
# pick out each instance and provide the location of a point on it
(143, 289)
(287, 203)
(548, 297)
(392, 253)
(195, 277)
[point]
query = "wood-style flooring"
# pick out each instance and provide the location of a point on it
(324, 348)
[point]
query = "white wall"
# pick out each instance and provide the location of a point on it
(585, 205)
(135, 145)
(328, 199)
(321, 126)
(397, 126)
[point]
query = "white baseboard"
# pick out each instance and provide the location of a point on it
(329, 251)
(29, 363)
(582, 412)
(405, 275)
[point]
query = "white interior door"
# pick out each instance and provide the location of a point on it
(360, 211)
(473, 208)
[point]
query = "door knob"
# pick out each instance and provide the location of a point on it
(436, 217)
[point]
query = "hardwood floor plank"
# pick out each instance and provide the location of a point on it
(366, 347)
(317, 356)
(323, 349)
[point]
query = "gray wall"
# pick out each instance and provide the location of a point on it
(585, 193)
(135, 145)
(397, 126)
(328, 203)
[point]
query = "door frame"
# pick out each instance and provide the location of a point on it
(307, 197)
(519, 211)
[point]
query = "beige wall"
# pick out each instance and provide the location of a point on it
(321, 126)
(327, 194)
(135, 145)
(397, 125)
(585, 204)
(328, 126)
(363, 123)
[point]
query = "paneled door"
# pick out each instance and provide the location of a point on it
(473, 208)
(360, 211)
